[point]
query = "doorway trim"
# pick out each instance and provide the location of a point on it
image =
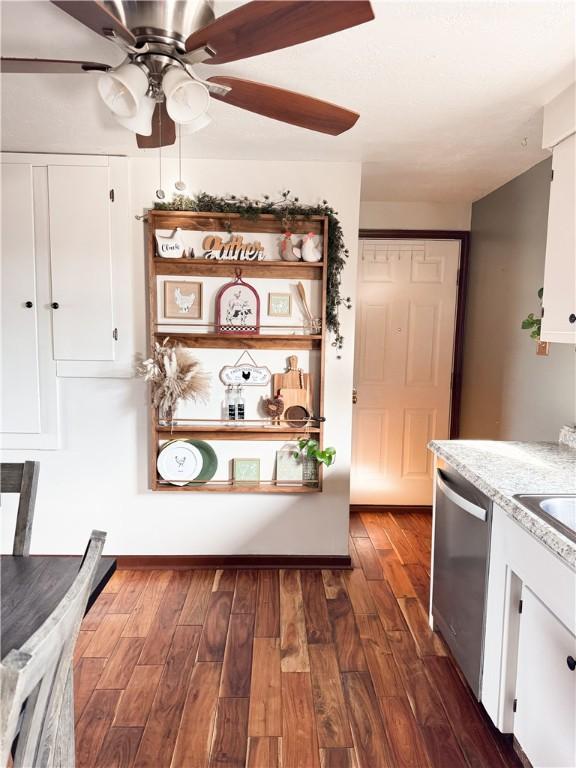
(463, 237)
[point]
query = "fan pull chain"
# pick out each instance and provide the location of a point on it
(160, 194)
(180, 185)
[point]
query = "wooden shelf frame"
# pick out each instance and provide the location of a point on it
(157, 266)
(300, 270)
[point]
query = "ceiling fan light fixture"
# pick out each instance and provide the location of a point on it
(186, 99)
(195, 125)
(122, 89)
(141, 123)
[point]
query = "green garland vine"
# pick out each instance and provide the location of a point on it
(285, 210)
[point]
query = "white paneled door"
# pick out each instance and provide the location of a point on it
(406, 315)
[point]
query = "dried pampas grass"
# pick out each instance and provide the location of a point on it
(174, 375)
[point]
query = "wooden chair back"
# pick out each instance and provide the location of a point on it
(22, 479)
(36, 677)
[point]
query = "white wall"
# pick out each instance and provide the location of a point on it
(393, 215)
(99, 478)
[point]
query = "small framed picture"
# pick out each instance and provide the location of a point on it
(246, 471)
(183, 299)
(288, 468)
(279, 305)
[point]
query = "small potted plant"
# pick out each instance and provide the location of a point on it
(310, 455)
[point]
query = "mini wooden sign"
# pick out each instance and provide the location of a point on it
(233, 250)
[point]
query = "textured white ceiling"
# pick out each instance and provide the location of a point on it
(447, 92)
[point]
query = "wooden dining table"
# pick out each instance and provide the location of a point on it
(31, 588)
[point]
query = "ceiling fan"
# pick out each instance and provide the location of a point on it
(156, 85)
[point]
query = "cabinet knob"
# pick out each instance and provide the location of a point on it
(571, 661)
(572, 318)
(54, 305)
(28, 305)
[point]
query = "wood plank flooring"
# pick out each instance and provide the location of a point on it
(280, 668)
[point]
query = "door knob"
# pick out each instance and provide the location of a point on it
(571, 661)
(572, 318)
(354, 396)
(54, 305)
(28, 305)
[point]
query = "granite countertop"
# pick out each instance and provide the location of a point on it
(503, 469)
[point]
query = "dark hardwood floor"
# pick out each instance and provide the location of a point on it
(280, 668)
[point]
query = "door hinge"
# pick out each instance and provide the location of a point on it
(514, 705)
(520, 606)
(552, 175)
(111, 195)
(115, 334)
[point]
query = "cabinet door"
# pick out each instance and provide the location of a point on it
(559, 321)
(81, 262)
(29, 412)
(20, 365)
(545, 721)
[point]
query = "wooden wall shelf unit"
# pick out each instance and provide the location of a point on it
(268, 268)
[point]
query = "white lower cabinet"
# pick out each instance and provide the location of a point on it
(545, 720)
(528, 686)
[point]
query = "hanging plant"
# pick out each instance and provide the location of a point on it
(286, 210)
(532, 323)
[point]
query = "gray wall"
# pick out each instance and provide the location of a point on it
(509, 393)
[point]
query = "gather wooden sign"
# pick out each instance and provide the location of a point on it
(233, 250)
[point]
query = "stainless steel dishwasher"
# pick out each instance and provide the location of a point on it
(463, 519)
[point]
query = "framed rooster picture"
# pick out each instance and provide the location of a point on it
(183, 300)
(237, 308)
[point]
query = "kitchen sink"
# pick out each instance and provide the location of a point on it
(557, 509)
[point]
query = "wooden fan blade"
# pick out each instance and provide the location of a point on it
(268, 25)
(287, 106)
(50, 66)
(163, 130)
(97, 17)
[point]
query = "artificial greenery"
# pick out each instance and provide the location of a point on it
(311, 449)
(286, 210)
(534, 324)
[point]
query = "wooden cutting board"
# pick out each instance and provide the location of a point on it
(293, 396)
(293, 378)
(295, 387)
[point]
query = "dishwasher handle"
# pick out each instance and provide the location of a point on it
(450, 493)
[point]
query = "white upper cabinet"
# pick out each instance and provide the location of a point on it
(67, 285)
(81, 261)
(29, 403)
(19, 302)
(559, 321)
